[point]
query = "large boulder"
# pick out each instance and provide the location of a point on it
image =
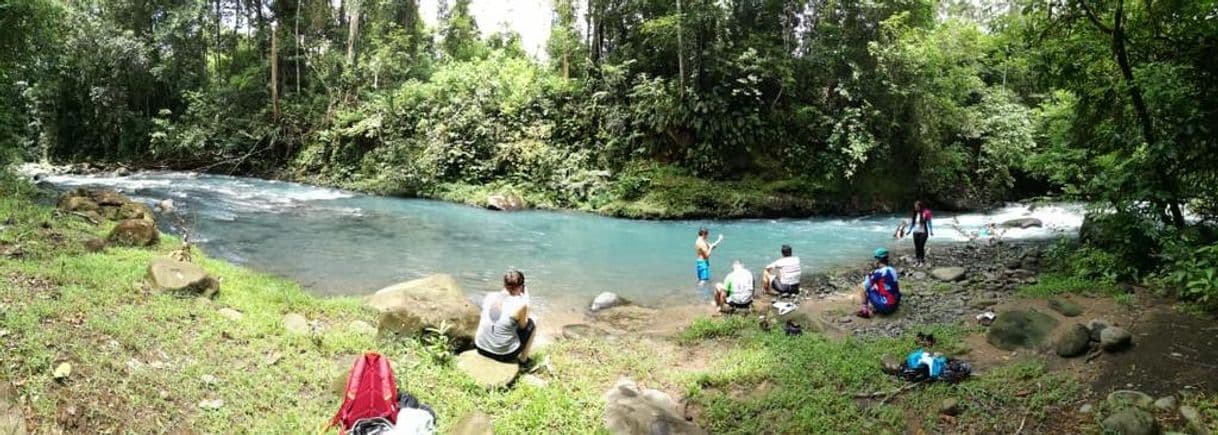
(948, 274)
(630, 409)
(1072, 342)
(174, 276)
(1097, 326)
(1131, 421)
(506, 202)
(412, 307)
(1114, 338)
(486, 372)
(134, 232)
(1020, 328)
(1025, 222)
(606, 300)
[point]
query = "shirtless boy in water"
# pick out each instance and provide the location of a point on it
(703, 248)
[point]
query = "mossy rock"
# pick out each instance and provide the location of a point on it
(1066, 307)
(1020, 328)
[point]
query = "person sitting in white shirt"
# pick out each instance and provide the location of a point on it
(736, 290)
(786, 281)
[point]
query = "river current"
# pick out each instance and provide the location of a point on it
(336, 242)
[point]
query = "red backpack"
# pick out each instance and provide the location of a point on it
(371, 392)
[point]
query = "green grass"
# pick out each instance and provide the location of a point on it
(1055, 283)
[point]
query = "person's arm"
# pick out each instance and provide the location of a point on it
(929, 228)
(522, 316)
(713, 245)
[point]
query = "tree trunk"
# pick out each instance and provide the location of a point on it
(680, 50)
(352, 31)
(1145, 120)
(274, 73)
(296, 43)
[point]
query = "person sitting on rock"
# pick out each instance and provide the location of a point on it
(736, 290)
(505, 331)
(782, 276)
(881, 291)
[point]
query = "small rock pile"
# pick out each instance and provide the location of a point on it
(136, 221)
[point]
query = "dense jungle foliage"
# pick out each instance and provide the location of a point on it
(654, 108)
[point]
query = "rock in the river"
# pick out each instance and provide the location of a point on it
(631, 410)
(1131, 421)
(169, 275)
(1072, 342)
(606, 300)
(1097, 326)
(474, 423)
(134, 232)
(506, 202)
(412, 307)
(1066, 307)
(950, 407)
(579, 330)
(1126, 398)
(1027, 222)
(949, 274)
(296, 324)
(1019, 328)
(1115, 338)
(1166, 403)
(165, 206)
(486, 372)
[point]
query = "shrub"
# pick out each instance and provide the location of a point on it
(1196, 276)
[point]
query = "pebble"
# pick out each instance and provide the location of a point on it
(211, 404)
(1167, 403)
(1085, 409)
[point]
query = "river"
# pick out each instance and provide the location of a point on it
(336, 242)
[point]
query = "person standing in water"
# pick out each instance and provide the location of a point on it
(921, 228)
(703, 248)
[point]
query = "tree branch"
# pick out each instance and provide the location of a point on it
(1094, 19)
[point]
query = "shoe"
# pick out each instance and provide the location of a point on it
(864, 313)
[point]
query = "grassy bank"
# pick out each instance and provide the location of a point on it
(148, 362)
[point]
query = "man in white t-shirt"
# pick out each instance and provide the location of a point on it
(736, 290)
(782, 276)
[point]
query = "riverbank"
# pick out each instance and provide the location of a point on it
(146, 361)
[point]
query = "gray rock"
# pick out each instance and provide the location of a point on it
(981, 304)
(948, 274)
(1166, 403)
(486, 372)
(534, 381)
(1190, 415)
(411, 308)
(506, 202)
(1066, 307)
(230, 314)
(1096, 326)
(1072, 342)
(919, 275)
(1087, 408)
(1019, 328)
(950, 407)
(1126, 398)
(606, 300)
(1027, 222)
(474, 423)
(630, 410)
(1113, 339)
(170, 275)
(296, 324)
(1132, 421)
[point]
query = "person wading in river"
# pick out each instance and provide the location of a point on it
(703, 248)
(921, 228)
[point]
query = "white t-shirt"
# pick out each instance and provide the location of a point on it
(497, 326)
(739, 285)
(789, 266)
